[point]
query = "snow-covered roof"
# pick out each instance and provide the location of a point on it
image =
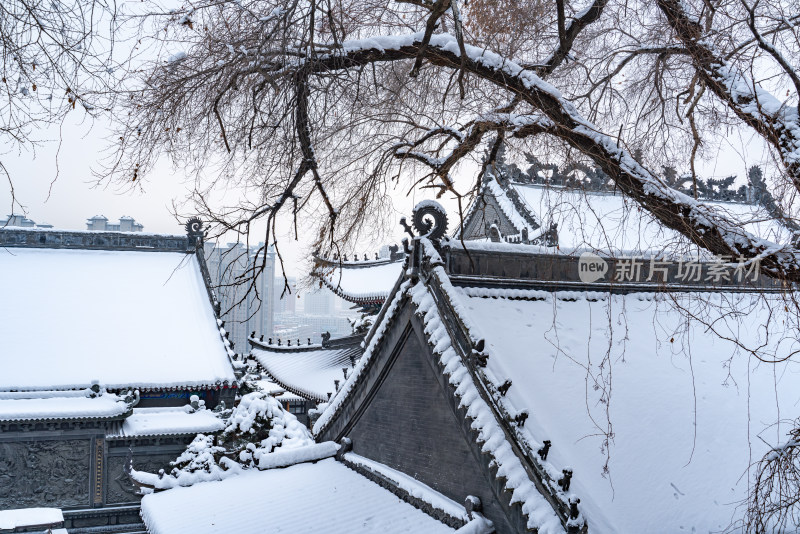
(49, 405)
(520, 219)
(615, 223)
(308, 373)
(30, 517)
(360, 282)
(676, 410)
(668, 391)
(168, 422)
(121, 318)
(301, 499)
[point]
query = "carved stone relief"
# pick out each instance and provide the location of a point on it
(120, 487)
(45, 473)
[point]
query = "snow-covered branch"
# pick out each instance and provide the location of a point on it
(776, 121)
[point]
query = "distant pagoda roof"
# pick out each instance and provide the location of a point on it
(309, 371)
(365, 283)
(573, 219)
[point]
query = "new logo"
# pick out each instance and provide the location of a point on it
(591, 267)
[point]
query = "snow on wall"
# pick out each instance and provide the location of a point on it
(169, 421)
(614, 223)
(62, 407)
(122, 318)
(29, 517)
(63, 404)
(687, 408)
(301, 499)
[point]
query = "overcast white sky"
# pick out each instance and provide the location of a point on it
(76, 196)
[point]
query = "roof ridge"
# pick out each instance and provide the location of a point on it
(537, 473)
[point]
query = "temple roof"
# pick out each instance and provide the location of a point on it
(308, 371)
(120, 318)
(302, 499)
(677, 411)
(175, 421)
(655, 404)
(61, 405)
(614, 223)
(364, 283)
(595, 220)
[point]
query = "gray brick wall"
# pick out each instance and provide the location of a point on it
(409, 425)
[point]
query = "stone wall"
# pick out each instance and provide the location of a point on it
(73, 468)
(45, 472)
(41, 238)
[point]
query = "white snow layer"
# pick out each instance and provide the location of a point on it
(686, 408)
(362, 282)
(411, 486)
(31, 407)
(29, 517)
(615, 223)
(122, 318)
(302, 499)
(310, 371)
(169, 421)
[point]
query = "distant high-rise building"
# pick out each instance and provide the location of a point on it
(286, 301)
(99, 223)
(318, 302)
(15, 219)
(246, 306)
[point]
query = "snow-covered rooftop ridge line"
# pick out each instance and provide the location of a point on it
(308, 453)
(411, 486)
(10, 520)
(355, 263)
(490, 246)
(274, 346)
(180, 420)
(540, 514)
(373, 340)
(507, 205)
(51, 407)
(306, 498)
(143, 235)
(46, 394)
(373, 282)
